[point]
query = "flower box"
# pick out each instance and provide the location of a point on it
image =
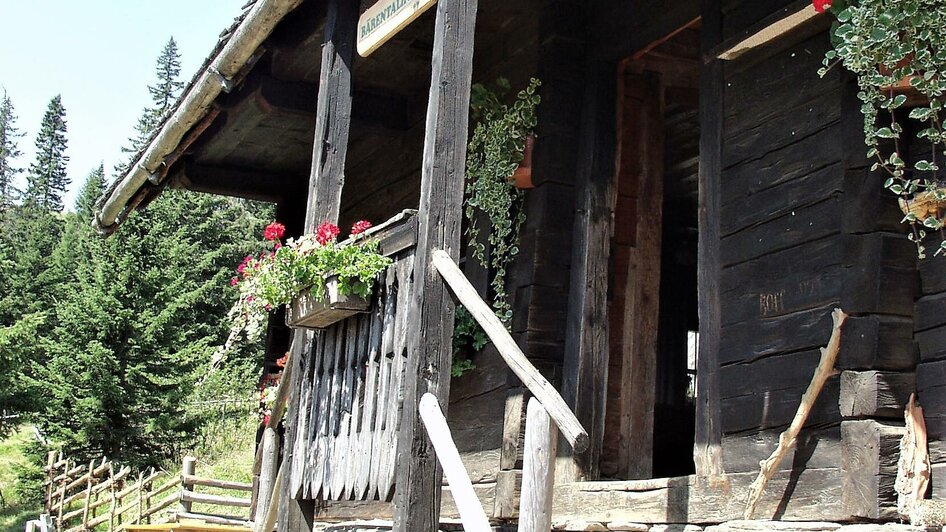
(306, 312)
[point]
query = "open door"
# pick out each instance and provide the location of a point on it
(652, 310)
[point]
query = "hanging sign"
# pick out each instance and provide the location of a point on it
(384, 19)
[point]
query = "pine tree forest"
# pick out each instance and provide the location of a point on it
(105, 344)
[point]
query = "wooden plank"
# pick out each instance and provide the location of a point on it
(869, 469)
(366, 430)
(385, 365)
(471, 510)
(707, 454)
(219, 500)
(342, 444)
(216, 483)
(807, 495)
(538, 469)
(779, 23)
(333, 115)
(355, 457)
(585, 365)
(417, 500)
(816, 448)
(506, 502)
(643, 158)
(878, 394)
(512, 427)
(540, 388)
(385, 19)
(398, 380)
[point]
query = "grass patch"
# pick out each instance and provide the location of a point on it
(21, 501)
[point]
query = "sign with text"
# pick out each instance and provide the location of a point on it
(384, 19)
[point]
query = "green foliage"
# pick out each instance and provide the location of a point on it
(276, 278)
(46, 182)
(468, 339)
(884, 42)
(495, 150)
(15, 395)
(8, 153)
(21, 479)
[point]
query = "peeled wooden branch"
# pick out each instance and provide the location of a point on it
(786, 440)
(541, 389)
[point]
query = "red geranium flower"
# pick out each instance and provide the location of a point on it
(326, 233)
(235, 281)
(822, 5)
(274, 231)
(360, 227)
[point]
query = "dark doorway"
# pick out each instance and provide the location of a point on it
(652, 287)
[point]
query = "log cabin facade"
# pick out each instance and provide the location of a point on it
(701, 204)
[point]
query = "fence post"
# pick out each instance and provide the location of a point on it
(267, 473)
(189, 470)
(141, 505)
(62, 492)
(50, 475)
(147, 496)
(88, 494)
(538, 469)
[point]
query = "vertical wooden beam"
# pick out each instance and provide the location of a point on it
(642, 158)
(538, 469)
(585, 372)
(430, 323)
(333, 115)
(707, 451)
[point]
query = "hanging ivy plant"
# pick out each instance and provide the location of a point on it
(495, 150)
(896, 48)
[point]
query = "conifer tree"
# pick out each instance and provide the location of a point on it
(8, 153)
(164, 94)
(46, 182)
(90, 193)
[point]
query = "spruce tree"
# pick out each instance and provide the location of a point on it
(90, 193)
(164, 93)
(8, 153)
(46, 182)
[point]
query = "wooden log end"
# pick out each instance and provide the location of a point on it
(581, 443)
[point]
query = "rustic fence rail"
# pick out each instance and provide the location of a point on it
(105, 496)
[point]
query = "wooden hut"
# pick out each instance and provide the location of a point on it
(696, 183)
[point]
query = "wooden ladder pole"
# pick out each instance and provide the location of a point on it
(538, 469)
(468, 504)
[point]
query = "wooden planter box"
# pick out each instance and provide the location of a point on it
(308, 313)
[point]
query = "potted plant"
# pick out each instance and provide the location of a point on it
(321, 280)
(897, 50)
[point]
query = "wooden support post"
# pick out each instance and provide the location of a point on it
(50, 475)
(145, 502)
(707, 450)
(538, 469)
(113, 487)
(333, 115)
(585, 371)
(189, 470)
(468, 504)
(268, 471)
(430, 322)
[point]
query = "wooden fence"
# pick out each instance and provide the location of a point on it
(105, 496)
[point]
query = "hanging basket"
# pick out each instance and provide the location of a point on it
(306, 312)
(925, 204)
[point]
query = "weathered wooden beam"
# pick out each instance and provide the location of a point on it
(538, 469)
(471, 510)
(540, 388)
(189, 469)
(875, 393)
(585, 371)
(707, 451)
(772, 27)
(430, 323)
(238, 182)
(333, 114)
(220, 500)
(869, 454)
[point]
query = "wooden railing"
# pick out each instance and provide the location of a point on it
(83, 497)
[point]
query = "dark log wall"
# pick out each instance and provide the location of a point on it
(804, 229)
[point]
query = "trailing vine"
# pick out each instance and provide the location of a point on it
(495, 150)
(897, 46)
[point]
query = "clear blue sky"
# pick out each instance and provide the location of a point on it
(100, 55)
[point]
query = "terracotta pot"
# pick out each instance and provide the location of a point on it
(905, 85)
(522, 177)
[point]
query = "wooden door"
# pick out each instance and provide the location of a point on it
(635, 282)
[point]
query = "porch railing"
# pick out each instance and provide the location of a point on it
(351, 390)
